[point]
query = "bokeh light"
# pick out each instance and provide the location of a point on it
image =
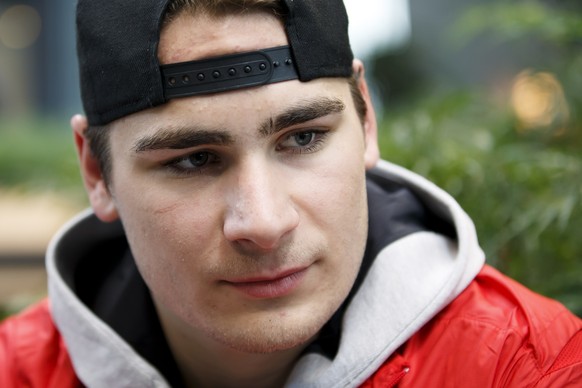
(20, 27)
(538, 100)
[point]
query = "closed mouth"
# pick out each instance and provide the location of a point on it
(274, 286)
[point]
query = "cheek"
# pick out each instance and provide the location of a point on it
(172, 247)
(340, 188)
(337, 206)
(164, 229)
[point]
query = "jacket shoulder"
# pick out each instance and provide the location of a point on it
(32, 352)
(536, 340)
(497, 333)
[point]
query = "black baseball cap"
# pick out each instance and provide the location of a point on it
(120, 74)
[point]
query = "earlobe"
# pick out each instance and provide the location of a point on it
(372, 153)
(102, 202)
(99, 195)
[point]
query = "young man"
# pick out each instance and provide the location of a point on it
(244, 233)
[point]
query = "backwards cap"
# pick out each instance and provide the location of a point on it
(117, 44)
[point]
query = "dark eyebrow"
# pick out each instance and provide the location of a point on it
(181, 138)
(303, 112)
(188, 137)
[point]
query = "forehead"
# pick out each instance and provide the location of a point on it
(189, 37)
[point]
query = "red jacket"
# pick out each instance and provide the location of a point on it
(32, 352)
(495, 334)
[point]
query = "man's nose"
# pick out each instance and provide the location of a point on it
(260, 210)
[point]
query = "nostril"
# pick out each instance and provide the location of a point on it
(256, 246)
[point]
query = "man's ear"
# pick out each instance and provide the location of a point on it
(99, 195)
(372, 154)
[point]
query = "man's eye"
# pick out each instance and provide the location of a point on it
(303, 138)
(195, 162)
(303, 142)
(199, 159)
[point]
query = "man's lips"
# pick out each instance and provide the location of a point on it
(266, 287)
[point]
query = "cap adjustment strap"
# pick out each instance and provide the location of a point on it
(228, 72)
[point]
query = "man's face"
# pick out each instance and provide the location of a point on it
(245, 211)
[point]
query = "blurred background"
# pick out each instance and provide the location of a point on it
(484, 97)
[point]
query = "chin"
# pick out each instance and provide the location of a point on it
(270, 336)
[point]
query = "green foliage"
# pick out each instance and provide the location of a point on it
(521, 184)
(37, 154)
(523, 192)
(519, 19)
(4, 313)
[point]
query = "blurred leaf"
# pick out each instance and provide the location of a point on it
(516, 20)
(523, 190)
(37, 154)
